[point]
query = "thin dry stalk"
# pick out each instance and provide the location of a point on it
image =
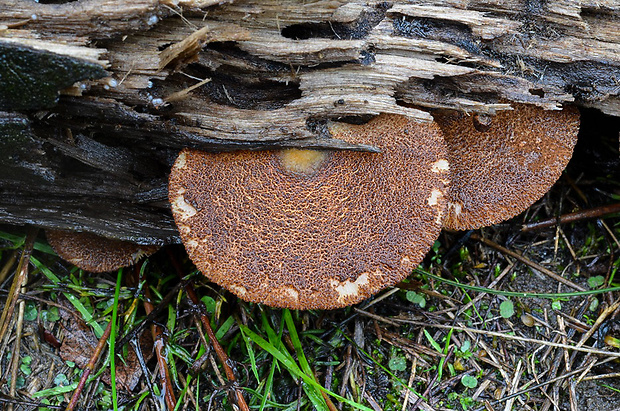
(604, 314)
(219, 351)
(15, 357)
(498, 334)
(414, 364)
(513, 385)
(595, 212)
(528, 262)
(8, 265)
(19, 281)
(89, 367)
(158, 344)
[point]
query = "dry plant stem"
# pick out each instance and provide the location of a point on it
(524, 260)
(15, 357)
(497, 334)
(18, 282)
(414, 364)
(219, 351)
(7, 267)
(595, 212)
(602, 317)
(551, 381)
(164, 371)
(89, 367)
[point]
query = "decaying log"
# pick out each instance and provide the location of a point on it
(139, 80)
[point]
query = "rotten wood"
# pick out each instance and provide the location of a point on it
(257, 74)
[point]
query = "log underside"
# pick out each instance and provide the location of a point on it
(268, 75)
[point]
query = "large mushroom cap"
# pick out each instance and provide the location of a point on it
(306, 229)
(499, 168)
(94, 253)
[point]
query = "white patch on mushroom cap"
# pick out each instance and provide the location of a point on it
(456, 208)
(239, 290)
(434, 198)
(180, 161)
(291, 293)
(184, 209)
(349, 288)
(441, 166)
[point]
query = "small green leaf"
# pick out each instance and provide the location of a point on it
(25, 369)
(469, 381)
(51, 315)
(506, 309)
(61, 379)
(556, 305)
(596, 281)
(594, 305)
(209, 303)
(416, 298)
(397, 363)
(30, 311)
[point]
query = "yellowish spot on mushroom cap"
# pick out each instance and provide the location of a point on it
(302, 161)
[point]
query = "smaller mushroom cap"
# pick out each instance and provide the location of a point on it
(501, 168)
(307, 229)
(94, 253)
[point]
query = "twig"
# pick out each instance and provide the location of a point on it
(572, 217)
(219, 351)
(9, 264)
(602, 317)
(524, 260)
(16, 349)
(158, 344)
(18, 282)
(89, 367)
(497, 334)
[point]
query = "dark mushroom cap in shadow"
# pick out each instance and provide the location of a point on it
(498, 170)
(94, 253)
(308, 229)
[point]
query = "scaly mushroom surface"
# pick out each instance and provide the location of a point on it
(94, 253)
(500, 167)
(314, 230)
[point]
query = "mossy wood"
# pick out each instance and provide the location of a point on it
(149, 77)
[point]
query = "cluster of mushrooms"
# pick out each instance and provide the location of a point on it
(307, 229)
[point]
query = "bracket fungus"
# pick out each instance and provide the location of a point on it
(314, 230)
(499, 168)
(94, 253)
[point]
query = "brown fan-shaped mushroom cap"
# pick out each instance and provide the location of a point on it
(94, 253)
(499, 170)
(304, 229)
